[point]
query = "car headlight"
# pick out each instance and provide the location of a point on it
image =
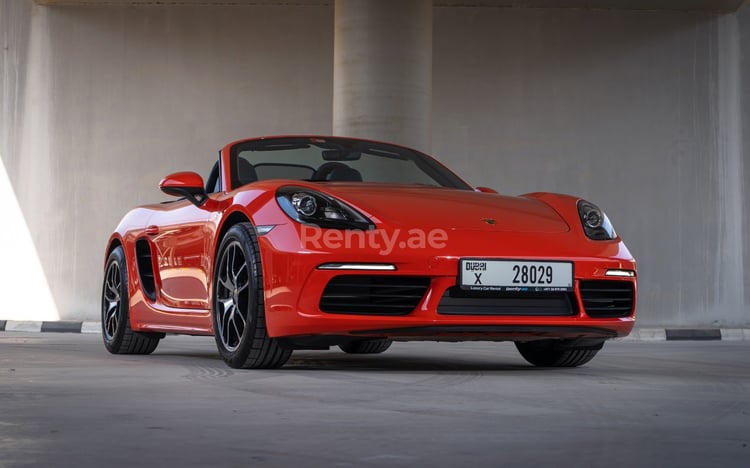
(308, 206)
(595, 223)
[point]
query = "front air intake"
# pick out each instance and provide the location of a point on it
(373, 295)
(607, 298)
(456, 301)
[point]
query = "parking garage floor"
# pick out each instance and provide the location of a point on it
(64, 401)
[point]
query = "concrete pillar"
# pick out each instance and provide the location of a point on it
(382, 79)
(729, 279)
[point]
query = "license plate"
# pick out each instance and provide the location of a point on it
(515, 275)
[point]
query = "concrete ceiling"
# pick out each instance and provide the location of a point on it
(684, 5)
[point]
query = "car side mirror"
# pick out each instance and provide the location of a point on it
(185, 184)
(487, 190)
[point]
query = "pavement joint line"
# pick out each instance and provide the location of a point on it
(638, 334)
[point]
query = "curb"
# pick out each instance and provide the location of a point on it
(61, 326)
(688, 334)
(639, 334)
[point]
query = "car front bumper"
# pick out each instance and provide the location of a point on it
(294, 285)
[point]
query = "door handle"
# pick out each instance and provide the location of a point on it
(152, 230)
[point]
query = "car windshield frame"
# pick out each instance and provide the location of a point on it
(338, 151)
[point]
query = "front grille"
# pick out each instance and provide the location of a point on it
(456, 301)
(373, 295)
(607, 298)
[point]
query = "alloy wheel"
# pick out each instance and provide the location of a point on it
(232, 296)
(111, 300)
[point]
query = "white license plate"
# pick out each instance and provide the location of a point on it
(476, 274)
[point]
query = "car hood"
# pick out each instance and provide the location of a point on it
(428, 207)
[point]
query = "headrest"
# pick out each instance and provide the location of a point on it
(245, 172)
(345, 174)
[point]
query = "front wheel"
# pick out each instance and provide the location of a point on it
(238, 312)
(556, 353)
(118, 337)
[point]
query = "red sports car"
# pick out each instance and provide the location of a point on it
(308, 242)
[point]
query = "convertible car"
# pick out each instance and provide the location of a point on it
(309, 242)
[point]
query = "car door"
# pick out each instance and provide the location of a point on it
(182, 236)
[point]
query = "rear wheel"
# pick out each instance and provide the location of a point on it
(118, 337)
(239, 316)
(366, 346)
(556, 353)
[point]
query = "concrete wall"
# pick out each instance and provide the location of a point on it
(635, 111)
(640, 112)
(99, 103)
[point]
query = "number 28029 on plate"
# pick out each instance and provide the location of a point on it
(515, 275)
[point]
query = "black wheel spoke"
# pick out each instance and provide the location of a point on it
(225, 284)
(237, 274)
(225, 314)
(227, 273)
(226, 329)
(112, 291)
(111, 319)
(236, 329)
(241, 319)
(233, 250)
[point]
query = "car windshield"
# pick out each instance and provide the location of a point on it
(336, 160)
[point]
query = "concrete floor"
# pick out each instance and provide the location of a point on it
(64, 401)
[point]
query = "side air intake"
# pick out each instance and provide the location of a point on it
(145, 268)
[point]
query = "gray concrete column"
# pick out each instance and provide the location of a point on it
(729, 279)
(382, 79)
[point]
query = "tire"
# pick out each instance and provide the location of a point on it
(238, 311)
(366, 346)
(555, 353)
(119, 337)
